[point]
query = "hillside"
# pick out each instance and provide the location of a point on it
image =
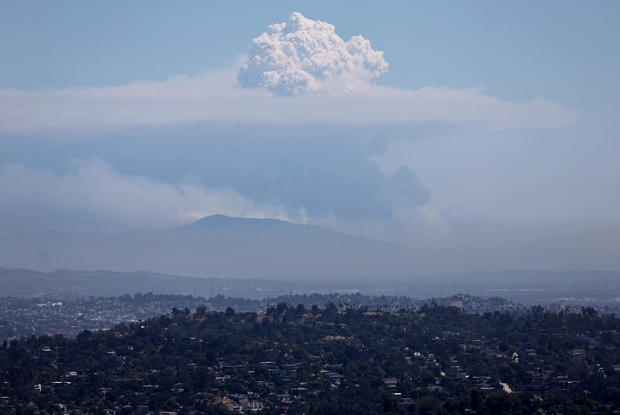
(291, 360)
(215, 246)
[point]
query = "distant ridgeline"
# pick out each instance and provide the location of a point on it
(295, 360)
(592, 288)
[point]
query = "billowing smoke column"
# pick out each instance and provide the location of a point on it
(305, 55)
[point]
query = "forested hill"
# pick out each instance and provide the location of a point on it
(24, 317)
(437, 360)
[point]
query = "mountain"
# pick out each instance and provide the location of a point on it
(215, 246)
(227, 222)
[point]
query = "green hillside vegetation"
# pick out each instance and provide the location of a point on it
(437, 360)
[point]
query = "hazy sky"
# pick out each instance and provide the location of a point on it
(449, 125)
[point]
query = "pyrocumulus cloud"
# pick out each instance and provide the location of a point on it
(305, 55)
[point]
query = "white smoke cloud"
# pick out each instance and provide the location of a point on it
(94, 190)
(214, 98)
(330, 80)
(305, 55)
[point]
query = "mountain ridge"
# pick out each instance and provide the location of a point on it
(215, 245)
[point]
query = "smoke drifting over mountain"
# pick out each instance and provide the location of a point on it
(305, 55)
(94, 193)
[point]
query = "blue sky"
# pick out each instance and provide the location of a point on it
(522, 140)
(564, 50)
